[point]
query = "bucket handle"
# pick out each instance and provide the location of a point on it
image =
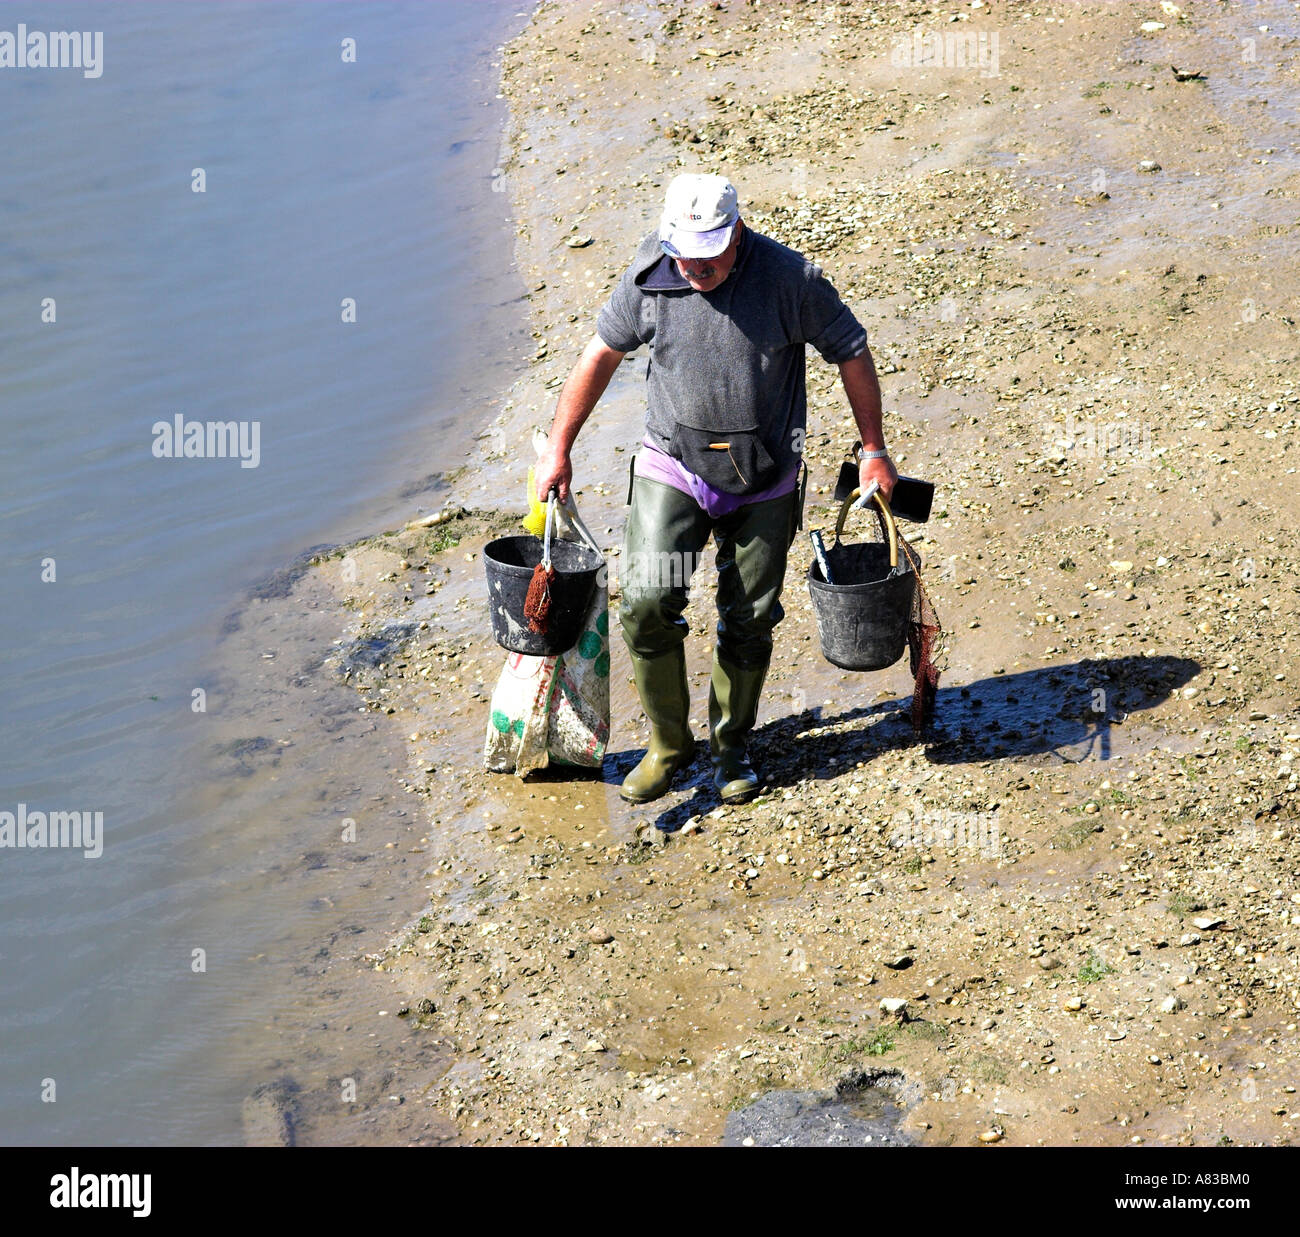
(883, 514)
(550, 524)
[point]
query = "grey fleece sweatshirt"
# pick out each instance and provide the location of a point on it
(730, 360)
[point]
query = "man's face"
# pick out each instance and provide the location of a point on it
(705, 274)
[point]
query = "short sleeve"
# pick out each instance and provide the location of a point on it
(619, 323)
(827, 322)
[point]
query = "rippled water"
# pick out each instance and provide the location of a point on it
(325, 180)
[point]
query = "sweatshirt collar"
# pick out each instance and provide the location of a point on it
(663, 277)
(742, 253)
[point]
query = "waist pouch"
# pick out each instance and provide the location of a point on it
(733, 461)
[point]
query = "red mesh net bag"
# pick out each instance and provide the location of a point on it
(926, 645)
(537, 604)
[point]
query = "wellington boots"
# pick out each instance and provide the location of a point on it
(665, 697)
(733, 709)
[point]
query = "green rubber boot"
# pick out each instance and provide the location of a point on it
(666, 699)
(733, 710)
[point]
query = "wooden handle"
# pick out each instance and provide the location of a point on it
(883, 514)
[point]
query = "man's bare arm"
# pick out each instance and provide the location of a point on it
(863, 389)
(584, 386)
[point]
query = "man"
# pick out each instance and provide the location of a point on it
(726, 312)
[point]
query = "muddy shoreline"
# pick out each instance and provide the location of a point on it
(1069, 914)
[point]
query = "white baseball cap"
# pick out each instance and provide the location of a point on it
(700, 211)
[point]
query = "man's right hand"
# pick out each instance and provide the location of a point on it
(553, 470)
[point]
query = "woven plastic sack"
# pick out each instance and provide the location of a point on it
(548, 709)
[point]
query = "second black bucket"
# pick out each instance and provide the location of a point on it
(862, 617)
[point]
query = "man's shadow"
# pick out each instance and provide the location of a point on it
(1069, 710)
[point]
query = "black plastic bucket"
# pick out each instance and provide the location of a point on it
(862, 618)
(509, 562)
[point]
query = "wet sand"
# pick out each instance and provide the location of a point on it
(1076, 895)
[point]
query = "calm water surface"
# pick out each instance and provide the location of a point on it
(325, 180)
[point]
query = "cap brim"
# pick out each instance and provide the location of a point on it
(683, 244)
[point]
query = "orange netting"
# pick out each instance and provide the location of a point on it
(925, 643)
(537, 605)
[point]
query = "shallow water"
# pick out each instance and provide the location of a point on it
(324, 180)
(855, 1115)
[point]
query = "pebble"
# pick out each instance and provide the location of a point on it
(1206, 922)
(991, 1136)
(1073, 1005)
(599, 936)
(1171, 1005)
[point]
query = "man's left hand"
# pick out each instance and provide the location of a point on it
(881, 471)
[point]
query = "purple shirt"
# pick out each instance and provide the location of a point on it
(657, 465)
